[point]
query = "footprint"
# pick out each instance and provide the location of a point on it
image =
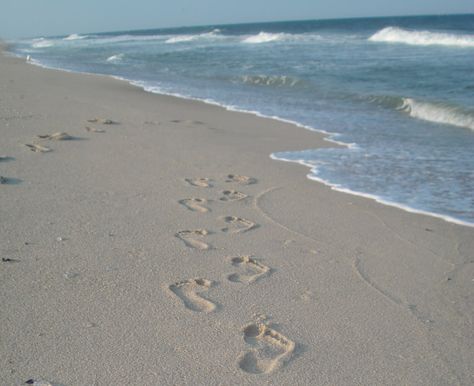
(270, 349)
(94, 130)
(232, 195)
(103, 121)
(189, 238)
(3, 180)
(188, 121)
(243, 180)
(254, 270)
(56, 136)
(188, 291)
(199, 182)
(195, 204)
(38, 148)
(238, 224)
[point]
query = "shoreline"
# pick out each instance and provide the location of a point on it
(327, 136)
(374, 197)
(169, 248)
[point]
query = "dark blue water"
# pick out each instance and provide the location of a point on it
(400, 91)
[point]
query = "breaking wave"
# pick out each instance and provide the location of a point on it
(421, 38)
(266, 37)
(74, 37)
(188, 38)
(42, 43)
(439, 113)
(115, 58)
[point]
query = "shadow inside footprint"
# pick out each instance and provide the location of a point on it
(195, 204)
(191, 238)
(238, 224)
(269, 349)
(189, 292)
(243, 180)
(232, 195)
(200, 182)
(253, 270)
(60, 136)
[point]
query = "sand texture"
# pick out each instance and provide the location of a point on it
(160, 245)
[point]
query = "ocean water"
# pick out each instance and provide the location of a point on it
(397, 93)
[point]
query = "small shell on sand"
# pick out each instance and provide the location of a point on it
(60, 136)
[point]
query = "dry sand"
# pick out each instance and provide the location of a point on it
(131, 257)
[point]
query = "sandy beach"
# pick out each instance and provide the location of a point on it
(160, 245)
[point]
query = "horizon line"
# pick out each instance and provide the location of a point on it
(244, 23)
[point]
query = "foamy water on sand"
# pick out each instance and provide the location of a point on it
(400, 91)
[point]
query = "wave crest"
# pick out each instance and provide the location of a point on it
(115, 58)
(266, 37)
(42, 43)
(188, 38)
(74, 37)
(421, 38)
(438, 113)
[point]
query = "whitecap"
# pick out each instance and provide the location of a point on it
(421, 38)
(180, 39)
(42, 43)
(115, 58)
(266, 37)
(188, 38)
(75, 37)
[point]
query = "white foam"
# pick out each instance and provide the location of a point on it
(266, 37)
(438, 113)
(188, 38)
(421, 38)
(337, 187)
(125, 38)
(115, 58)
(271, 80)
(75, 37)
(180, 39)
(41, 43)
